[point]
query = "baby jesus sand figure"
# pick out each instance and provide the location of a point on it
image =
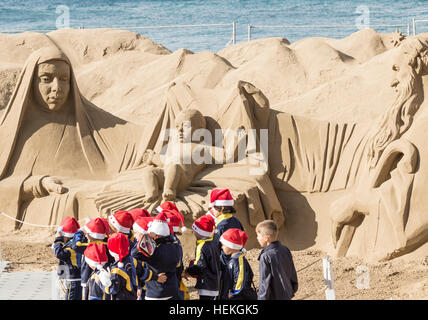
(175, 170)
(163, 175)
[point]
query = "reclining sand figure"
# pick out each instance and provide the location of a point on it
(165, 177)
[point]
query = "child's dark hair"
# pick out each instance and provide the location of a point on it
(226, 209)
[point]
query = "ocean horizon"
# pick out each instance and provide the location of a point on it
(333, 19)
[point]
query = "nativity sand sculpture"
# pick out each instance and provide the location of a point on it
(62, 155)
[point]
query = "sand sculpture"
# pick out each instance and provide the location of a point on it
(389, 166)
(64, 156)
(364, 179)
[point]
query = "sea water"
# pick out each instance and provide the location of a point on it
(321, 18)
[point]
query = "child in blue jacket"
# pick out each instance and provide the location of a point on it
(206, 266)
(69, 260)
(237, 276)
(165, 259)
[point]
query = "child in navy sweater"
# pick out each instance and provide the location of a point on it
(69, 260)
(164, 259)
(206, 266)
(237, 276)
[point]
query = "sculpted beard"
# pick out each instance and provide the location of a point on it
(396, 121)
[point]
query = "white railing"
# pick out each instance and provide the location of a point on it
(250, 27)
(415, 21)
(231, 41)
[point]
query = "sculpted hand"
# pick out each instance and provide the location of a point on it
(148, 156)
(53, 185)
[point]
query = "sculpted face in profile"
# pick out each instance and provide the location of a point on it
(51, 84)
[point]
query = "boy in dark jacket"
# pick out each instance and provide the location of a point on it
(69, 261)
(124, 282)
(278, 277)
(95, 231)
(222, 207)
(96, 259)
(236, 276)
(144, 273)
(164, 259)
(206, 266)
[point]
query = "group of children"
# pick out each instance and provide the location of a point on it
(133, 255)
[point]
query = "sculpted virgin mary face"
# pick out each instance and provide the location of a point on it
(52, 84)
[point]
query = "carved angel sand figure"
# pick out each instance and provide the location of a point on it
(386, 193)
(57, 147)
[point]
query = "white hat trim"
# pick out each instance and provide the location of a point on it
(138, 229)
(229, 244)
(95, 235)
(160, 228)
(116, 224)
(200, 231)
(93, 263)
(159, 209)
(217, 203)
(114, 254)
(66, 234)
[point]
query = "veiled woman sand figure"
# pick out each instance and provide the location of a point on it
(56, 145)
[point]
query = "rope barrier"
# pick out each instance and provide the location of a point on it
(309, 265)
(34, 224)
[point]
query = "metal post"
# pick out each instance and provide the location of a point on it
(408, 29)
(249, 32)
(414, 26)
(234, 32)
(328, 279)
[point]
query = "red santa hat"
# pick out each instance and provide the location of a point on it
(142, 225)
(118, 246)
(68, 227)
(96, 228)
(204, 226)
(106, 225)
(175, 219)
(160, 225)
(96, 255)
(211, 213)
(221, 198)
(122, 221)
(168, 205)
(234, 238)
(139, 213)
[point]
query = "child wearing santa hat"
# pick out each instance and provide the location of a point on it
(206, 266)
(137, 213)
(175, 220)
(96, 259)
(124, 282)
(94, 231)
(236, 273)
(221, 203)
(121, 221)
(164, 259)
(69, 260)
(144, 273)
